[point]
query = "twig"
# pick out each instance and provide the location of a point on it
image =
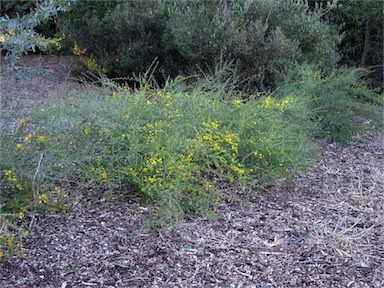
(35, 196)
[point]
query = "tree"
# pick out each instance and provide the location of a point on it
(362, 25)
(18, 35)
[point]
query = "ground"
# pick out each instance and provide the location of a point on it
(322, 229)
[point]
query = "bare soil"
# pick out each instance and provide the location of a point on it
(323, 229)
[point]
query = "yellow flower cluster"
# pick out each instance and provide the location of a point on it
(213, 125)
(43, 198)
(270, 103)
(29, 137)
(237, 103)
(11, 177)
(101, 175)
(22, 124)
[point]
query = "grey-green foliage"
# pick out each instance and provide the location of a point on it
(18, 35)
(263, 37)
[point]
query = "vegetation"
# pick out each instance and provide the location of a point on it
(361, 23)
(250, 121)
(189, 36)
(18, 35)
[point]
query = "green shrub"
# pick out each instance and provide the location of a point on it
(339, 100)
(166, 145)
(120, 37)
(10, 240)
(257, 34)
(187, 36)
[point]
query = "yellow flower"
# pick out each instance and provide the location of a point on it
(42, 198)
(1, 254)
(151, 179)
(237, 102)
(27, 138)
(238, 169)
(86, 131)
(41, 138)
(206, 138)
(21, 215)
(267, 102)
(214, 125)
(21, 124)
(19, 145)
(10, 174)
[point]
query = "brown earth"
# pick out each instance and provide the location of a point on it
(323, 229)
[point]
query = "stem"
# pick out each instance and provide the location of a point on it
(35, 196)
(366, 42)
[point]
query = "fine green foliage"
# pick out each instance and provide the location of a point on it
(339, 100)
(10, 240)
(167, 146)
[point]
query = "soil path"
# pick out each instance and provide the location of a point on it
(324, 229)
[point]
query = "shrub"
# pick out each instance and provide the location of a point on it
(120, 37)
(339, 100)
(166, 145)
(10, 239)
(257, 34)
(187, 36)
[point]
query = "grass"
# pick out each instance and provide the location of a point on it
(167, 145)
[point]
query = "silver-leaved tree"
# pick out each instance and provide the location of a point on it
(17, 34)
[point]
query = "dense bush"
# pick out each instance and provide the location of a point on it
(124, 37)
(257, 34)
(117, 37)
(339, 100)
(166, 145)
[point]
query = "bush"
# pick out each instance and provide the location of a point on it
(257, 34)
(119, 37)
(167, 146)
(186, 36)
(339, 100)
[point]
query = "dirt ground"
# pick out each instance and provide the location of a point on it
(323, 229)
